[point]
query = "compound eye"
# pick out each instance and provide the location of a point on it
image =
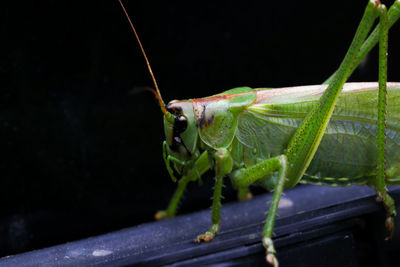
(180, 124)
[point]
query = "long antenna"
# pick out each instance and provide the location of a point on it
(157, 93)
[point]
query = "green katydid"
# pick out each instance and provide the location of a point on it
(334, 134)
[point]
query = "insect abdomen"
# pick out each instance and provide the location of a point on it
(347, 152)
(334, 181)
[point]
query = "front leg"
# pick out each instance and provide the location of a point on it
(174, 202)
(223, 166)
(200, 167)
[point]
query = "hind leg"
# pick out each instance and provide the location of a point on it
(380, 183)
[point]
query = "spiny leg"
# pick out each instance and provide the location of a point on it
(372, 40)
(269, 225)
(223, 166)
(246, 176)
(380, 185)
(199, 168)
(174, 202)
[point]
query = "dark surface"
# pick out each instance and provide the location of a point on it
(338, 230)
(80, 141)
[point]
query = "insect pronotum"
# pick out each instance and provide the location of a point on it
(277, 138)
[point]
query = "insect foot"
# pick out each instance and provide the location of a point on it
(388, 203)
(270, 251)
(161, 215)
(390, 207)
(389, 225)
(244, 196)
(209, 235)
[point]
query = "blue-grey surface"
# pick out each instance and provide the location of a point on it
(170, 240)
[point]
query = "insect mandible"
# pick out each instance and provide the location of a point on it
(277, 138)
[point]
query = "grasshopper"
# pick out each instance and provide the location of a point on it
(335, 134)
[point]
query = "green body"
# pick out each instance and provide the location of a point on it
(258, 125)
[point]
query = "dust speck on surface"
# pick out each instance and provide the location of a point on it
(101, 252)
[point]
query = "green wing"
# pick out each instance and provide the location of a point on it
(348, 148)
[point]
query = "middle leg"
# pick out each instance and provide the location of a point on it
(247, 176)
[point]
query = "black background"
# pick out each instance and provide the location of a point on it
(80, 138)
